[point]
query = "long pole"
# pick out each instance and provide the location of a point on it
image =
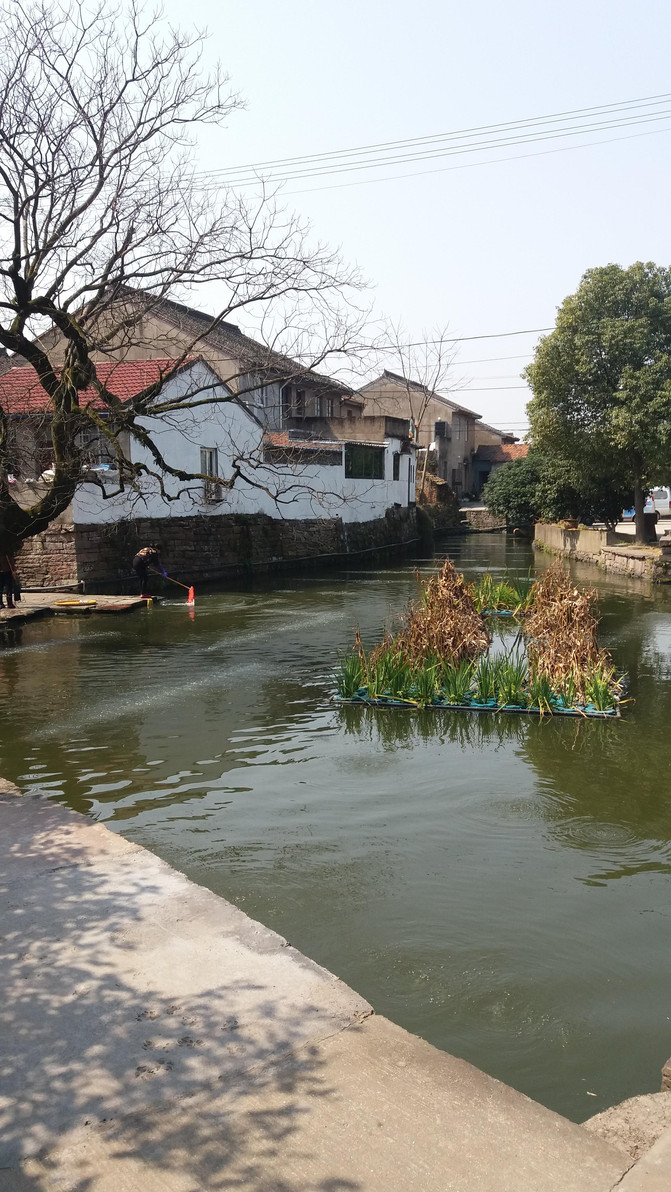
(172, 581)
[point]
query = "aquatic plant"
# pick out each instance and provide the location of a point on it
(504, 595)
(511, 673)
(600, 683)
(568, 692)
(425, 683)
(350, 675)
(541, 693)
(561, 630)
(455, 682)
(485, 679)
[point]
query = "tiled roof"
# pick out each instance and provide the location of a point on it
(503, 435)
(502, 453)
(22, 393)
(280, 438)
(230, 339)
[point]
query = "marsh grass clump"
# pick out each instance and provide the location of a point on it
(561, 632)
(511, 682)
(543, 696)
(485, 679)
(351, 675)
(444, 624)
(456, 682)
(504, 595)
(440, 654)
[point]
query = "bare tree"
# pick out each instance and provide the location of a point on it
(101, 201)
(421, 369)
(425, 366)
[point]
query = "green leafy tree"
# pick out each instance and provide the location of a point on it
(512, 492)
(543, 488)
(601, 384)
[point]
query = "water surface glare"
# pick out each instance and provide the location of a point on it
(498, 885)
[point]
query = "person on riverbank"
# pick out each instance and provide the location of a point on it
(146, 560)
(9, 583)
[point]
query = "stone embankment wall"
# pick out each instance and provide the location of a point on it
(49, 560)
(202, 547)
(605, 549)
(482, 520)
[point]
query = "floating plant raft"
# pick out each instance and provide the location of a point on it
(439, 658)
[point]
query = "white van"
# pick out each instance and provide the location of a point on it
(661, 501)
(657, 501)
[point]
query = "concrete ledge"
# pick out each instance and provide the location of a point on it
(601, 548)
(156, 1038)
(634, 1124)
(652, 1173)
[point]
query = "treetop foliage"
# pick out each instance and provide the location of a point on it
(601, 380)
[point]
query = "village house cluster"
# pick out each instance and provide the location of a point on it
(303, 449)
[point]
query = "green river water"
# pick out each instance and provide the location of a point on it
(496, 884)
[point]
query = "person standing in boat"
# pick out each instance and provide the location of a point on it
(146, 560)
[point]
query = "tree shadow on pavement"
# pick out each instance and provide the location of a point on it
(150, 1029)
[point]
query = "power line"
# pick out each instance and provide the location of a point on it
(460, 339)
(597, 116)
(498, 142)
(492, 359)
(472, 165)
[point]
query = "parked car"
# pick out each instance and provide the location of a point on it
(658, 501)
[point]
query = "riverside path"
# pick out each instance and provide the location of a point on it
(156, 1038)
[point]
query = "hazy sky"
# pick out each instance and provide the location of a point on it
(483, 249)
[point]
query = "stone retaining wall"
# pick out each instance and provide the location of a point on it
(49, 560)
(482, 520)
(605, 550)
(202, 547)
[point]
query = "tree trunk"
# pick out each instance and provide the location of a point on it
(426, 460)
(642, 531)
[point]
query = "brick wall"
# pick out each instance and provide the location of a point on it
(49, 559)
(196, 548)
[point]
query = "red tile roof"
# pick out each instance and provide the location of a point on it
(501, 453)
(280, 438)
(22, 393)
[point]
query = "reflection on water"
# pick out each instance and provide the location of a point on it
(498, 884)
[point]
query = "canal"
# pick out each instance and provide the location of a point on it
(498, 885)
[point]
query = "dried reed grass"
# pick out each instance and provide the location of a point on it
(560, 628)
(444, 624)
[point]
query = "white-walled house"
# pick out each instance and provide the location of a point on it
(284, 476)
(278, 475)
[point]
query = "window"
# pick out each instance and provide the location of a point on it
(364, 463)
(96, 449)
(287, 400)
(293, 402)
(397, 465)
(209, 466)
(324, 406)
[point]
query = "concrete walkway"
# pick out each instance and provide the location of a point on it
(156, 1039)
(48, 604)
